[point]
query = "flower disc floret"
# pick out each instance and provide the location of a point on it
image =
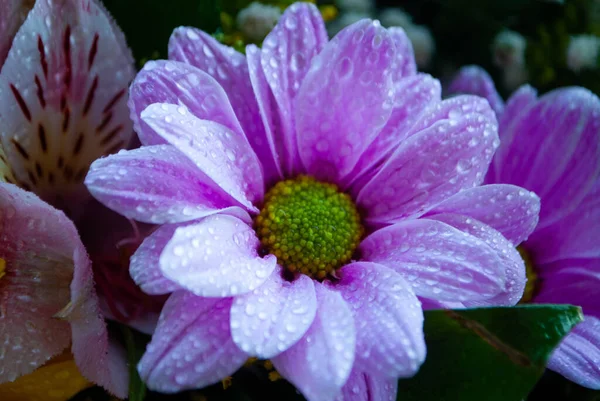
(310, 226)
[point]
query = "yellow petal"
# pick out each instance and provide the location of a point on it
(58, 380)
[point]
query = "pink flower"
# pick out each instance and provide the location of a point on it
(363, 190)
(551, 145)
(47, 300)
(63, 90)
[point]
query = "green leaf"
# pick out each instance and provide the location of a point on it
(492, 354)
(148, 24)
(136, 344)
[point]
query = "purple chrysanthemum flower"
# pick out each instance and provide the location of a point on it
(551, 146)
(308, 193)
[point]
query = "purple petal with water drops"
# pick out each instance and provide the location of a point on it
(388, 319)
(192, 345)
(439, 261)
(216, 257)
(166, 81)
(511, 210)
(273, 317)
(155, 184)
(325, 353)
(221, 154)
(345, 100)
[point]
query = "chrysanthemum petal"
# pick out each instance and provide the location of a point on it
(144, 267)
(412, 96)
(439, 261)
(511, 210)
(577, 356)
(286, 55)
(221, 154)
(573, 284)
(346, 98)
(574, 236)
(216, 257)
(229, 68)
(155, 184)
(363, 386)
(270, 146)
(273, 317)
(410, 183)
(388, 319)
(554, 151)
(405, 56)
(510, 260)
(475, 80)
(63, 93)
(192, 345)
(325, 353)
(174, 82)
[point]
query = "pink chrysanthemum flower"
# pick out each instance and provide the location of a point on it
(551, 146)
(308, 193)
(47, 297)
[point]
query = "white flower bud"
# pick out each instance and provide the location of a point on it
(257, 20)
(582, 52)
(394, 16)
(423, 44)
(509, 49)
(358, 6)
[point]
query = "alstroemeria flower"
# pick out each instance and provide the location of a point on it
(551, 145)
(63, 94)
(308, 193)
(47, 298)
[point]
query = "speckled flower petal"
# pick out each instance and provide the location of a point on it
(273, 317)
(475, 80)
(221, 154)
(576, 358)
(439, 261)
(412, 96)
(12, 15)
(325, 353)
(192, 345)
(346, 98)
(286, 55)
(573, 284)
(229, 68)
(48, 294)
(409, 184)
(510, 259)
(405, 56)
(174, 82)
(216, 257)
(36, 281)
(555, 151)
(63, 93)
(155, 184)
(388, 319)
(144, 267)
(508, 209)
(366, 386)
(575, 236)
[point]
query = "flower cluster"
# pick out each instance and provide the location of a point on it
(301, 203)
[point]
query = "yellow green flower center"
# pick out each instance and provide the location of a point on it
(310, 226)
(532, 277)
